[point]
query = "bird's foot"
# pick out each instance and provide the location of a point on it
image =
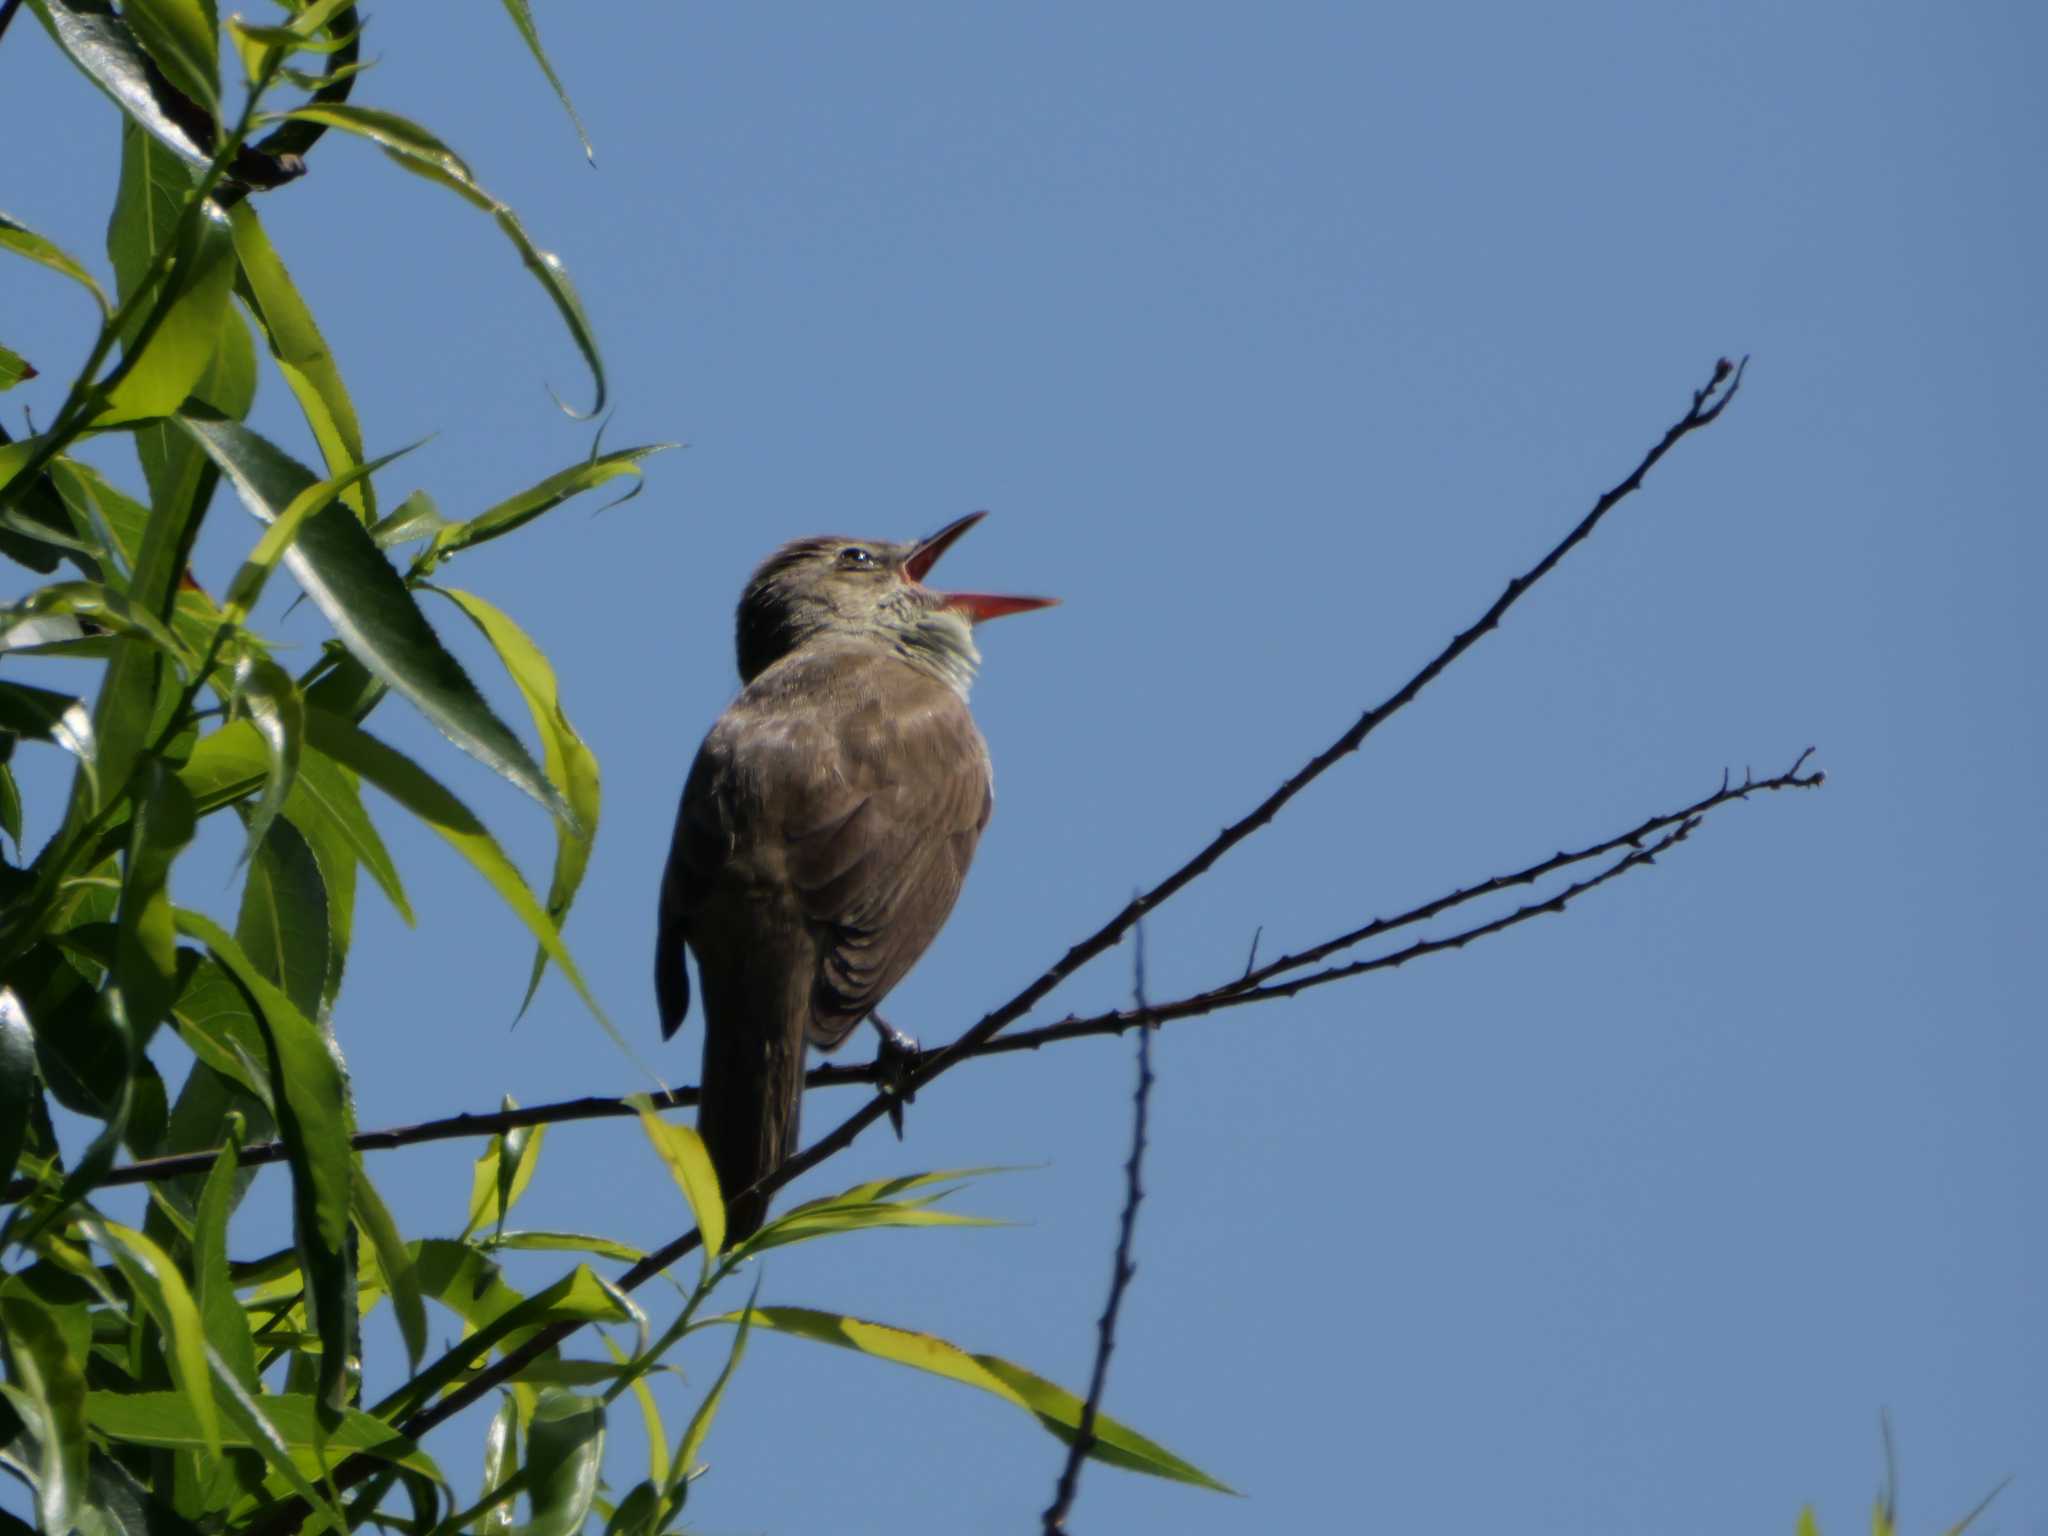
(894, 1057)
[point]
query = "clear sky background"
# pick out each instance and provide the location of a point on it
(1277, 339)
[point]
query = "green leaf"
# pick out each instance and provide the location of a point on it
(227, 1325)
(311, 1100)
(146, 952)
(564, 1449)
(684, 1466)
(517, 511)
(879, 1203)
(683, 1152)
(569, 764)
(180, 35)
(421, 153)
(270, 698)
(51, 1378)
(503, 1170)
(101, 45)
(369, 606)
(501, 1464)
(395, 1261)
(416, 517)
(1057, 1409)
(419, 792)
(215, 1020)
(301, 352)
(282, 926)
(105, 607)
(522, 18)
(24, 241)
(19, 1087)
(255, 571)
(566, 1242)
(194, 306)
(158, 1285)
(41, 715)
(14, 368)
(316, 1447)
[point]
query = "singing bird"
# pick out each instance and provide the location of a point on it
(825, 828)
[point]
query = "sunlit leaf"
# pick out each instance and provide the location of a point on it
(24, 241)
(684, 1465)
(146, 954)
(101, 45)
(250, 579)
(19, 1087)
(38, 714)
(501, 1462)
(683, 1152)
(564, 1450)
(14, 368)
(1057, 1409)
(165, 1419)
(369, 606)
(178, 352)
(180, 36)
(161, 1288)
(420, 152)
(311, 1101)
(569, 764)
(517, 511)
(301, 352)
(503, 1170)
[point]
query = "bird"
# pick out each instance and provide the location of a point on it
(825, 828)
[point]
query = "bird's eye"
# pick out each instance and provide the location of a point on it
(853, 557)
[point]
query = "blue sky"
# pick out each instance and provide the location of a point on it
(1277, 340)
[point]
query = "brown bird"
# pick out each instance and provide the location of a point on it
(825, 828)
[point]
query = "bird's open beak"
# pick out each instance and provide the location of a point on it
(978, 606)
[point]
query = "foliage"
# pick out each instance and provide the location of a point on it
(154, 1381)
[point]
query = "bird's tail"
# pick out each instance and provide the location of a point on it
(753, 1088)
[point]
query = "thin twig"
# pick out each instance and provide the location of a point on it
(1121, 1270)
(1250, 986)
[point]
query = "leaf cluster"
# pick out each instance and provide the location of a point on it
(154, 1380)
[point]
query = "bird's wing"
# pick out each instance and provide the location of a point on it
(699, 848)
(896, 793)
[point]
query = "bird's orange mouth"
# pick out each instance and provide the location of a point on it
(978, 606)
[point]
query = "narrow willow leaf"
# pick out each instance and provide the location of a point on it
(24, 241)
(310, 1098)
(215, 1020)
(683, 1152)
(903, 1201)
(249, 581)
(522, 18)
(684, 1466)
(638, 1513)
(251, 1424)
(14, 368)
(146, 953)
(194, 303)
(19, 1088)
(503, 1170)
(46, 1371)
(181, 36)
(395, 1261)
(416, 517)
(569, 764)
(161, 1288)
(227, 1325)
(41, 715)
(301, 352)
(270, 697)
(566, 1242)
(282, 925)
(369, 606)
(564, 1450)
(1057, 1409)
(419, 792)
(420, 152)
(501, 1462)
(517, 511)
(101, 45)
(107, 608)
(165, 1419)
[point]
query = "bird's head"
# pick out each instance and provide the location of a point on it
(842, 588)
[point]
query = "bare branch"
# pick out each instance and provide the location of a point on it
(1122, 1269)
